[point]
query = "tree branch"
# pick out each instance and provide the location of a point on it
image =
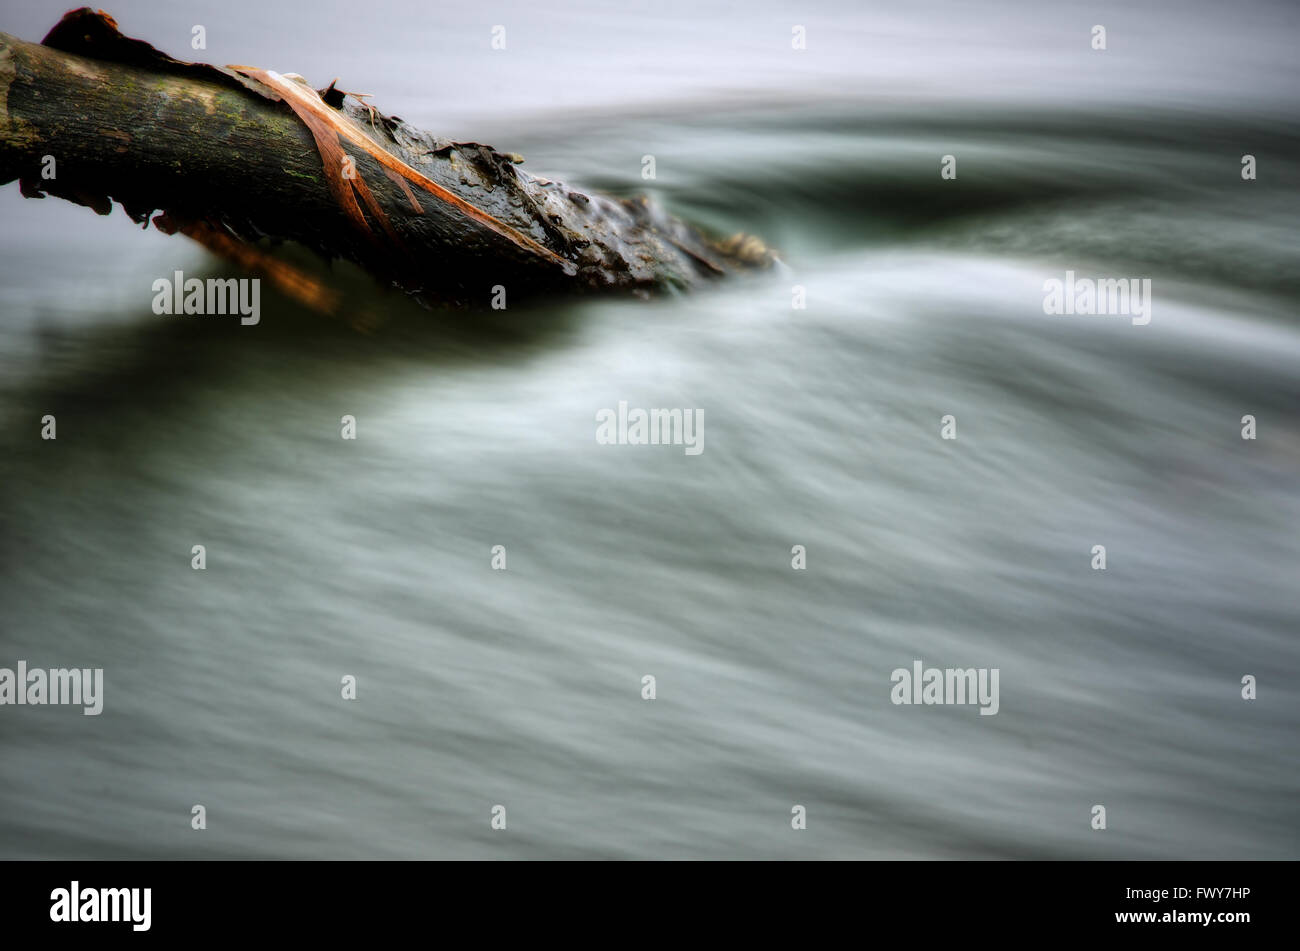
(247, 154)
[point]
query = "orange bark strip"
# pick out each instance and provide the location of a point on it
(305, 102)
(372, 205)
(332, 158)
(401, 183)
(290, 280)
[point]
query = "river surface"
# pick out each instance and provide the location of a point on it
(372, 558)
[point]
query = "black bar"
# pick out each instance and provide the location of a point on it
(330, 900)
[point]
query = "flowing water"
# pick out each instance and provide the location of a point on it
(822, 428)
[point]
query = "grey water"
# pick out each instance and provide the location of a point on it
(372, 558)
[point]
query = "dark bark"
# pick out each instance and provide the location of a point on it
(220, 151)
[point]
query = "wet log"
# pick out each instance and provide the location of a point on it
(240, 157)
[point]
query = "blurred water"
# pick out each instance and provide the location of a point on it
(522, 687)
